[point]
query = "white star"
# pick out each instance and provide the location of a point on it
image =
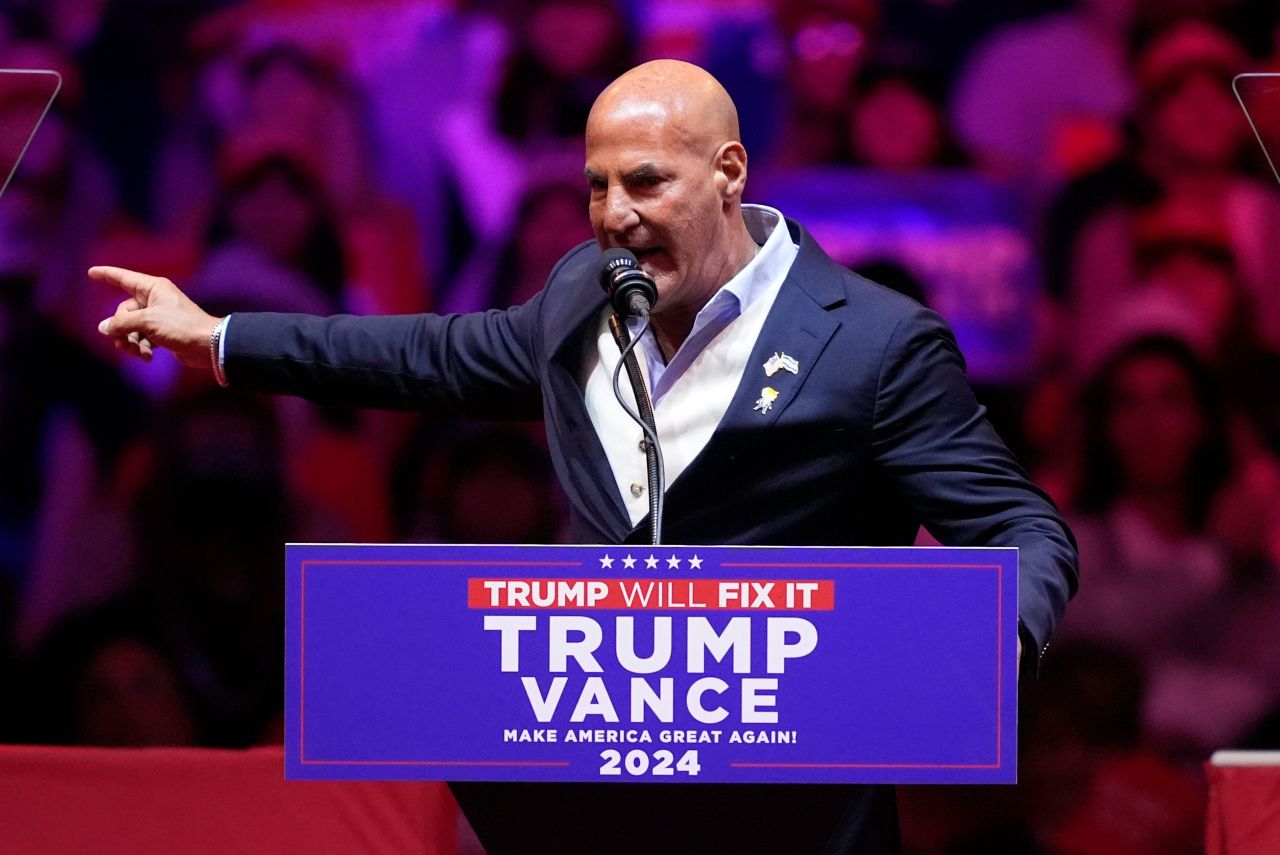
(651, 562)
(606, 562)
(629, 562)
(695, 563)
(673, 563)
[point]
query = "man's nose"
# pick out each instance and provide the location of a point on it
(620, 214)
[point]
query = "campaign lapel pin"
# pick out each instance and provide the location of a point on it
(781, 362)
(767, 396)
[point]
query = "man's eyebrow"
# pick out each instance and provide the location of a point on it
(641, 172)
(644, 170)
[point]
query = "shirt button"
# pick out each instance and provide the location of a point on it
(636, 489)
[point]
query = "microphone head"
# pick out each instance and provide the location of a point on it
(615, 259)
(623, 280)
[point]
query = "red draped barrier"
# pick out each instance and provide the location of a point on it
(1244, 810)
(170, 801)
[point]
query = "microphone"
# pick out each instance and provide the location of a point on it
(631, 291)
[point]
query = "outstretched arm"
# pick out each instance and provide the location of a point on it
(480, 364)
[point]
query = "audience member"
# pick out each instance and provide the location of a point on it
(132, 58)
(565, 52)
(552, 220)
(896, 123)
(212, 520)
(452, 476)
(1094, 784)
(1044, 99)
(301, 100)
(946, 34)
(61, 445)
(274, 242)
(1191, 138)
(1182, 254)
(1155, 456)
(1156, 462)
(826, 45)
(434, 129)
(1085, 707)
(105, 677)
(301, 94)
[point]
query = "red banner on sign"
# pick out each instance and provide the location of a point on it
(651, 594)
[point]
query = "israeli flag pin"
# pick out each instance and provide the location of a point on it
(781, 362)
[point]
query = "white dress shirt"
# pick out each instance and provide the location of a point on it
(691, 392)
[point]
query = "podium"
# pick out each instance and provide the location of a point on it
(626, 699)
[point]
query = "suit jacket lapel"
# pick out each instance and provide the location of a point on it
(798, 325)
(587, 476)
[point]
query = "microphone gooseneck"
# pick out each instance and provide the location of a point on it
(655, 468)
(632, 293)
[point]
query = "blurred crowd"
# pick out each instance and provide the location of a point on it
(1085, 166)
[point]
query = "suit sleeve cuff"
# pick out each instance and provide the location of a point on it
(218, 351)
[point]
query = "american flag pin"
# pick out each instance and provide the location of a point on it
(781, 362)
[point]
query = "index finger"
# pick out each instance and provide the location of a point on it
(137, 285)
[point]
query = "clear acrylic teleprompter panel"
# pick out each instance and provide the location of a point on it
(1259, 95)
(25, 98)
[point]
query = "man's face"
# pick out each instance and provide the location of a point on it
(653, 192)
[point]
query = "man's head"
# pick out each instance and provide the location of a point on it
(666, 172)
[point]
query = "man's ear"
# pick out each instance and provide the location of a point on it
(731, 170)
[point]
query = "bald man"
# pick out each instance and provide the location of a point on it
(796, 402)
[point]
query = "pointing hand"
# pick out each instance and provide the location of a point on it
(156, 314)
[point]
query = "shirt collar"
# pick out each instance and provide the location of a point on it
(768, 229)
(766, 270)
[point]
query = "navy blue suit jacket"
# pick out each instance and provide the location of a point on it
(876, 434)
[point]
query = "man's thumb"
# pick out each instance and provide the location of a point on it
(122, 323)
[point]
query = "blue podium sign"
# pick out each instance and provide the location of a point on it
(679, 664)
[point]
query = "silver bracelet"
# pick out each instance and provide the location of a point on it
(215, 340)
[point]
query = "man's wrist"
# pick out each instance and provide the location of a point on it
(217, 350)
